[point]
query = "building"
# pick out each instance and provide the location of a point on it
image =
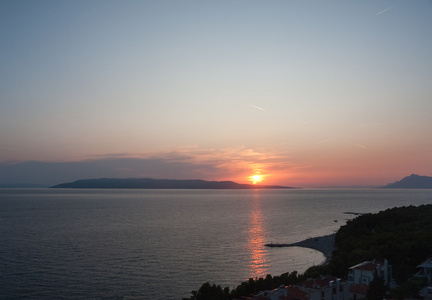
(364, 272)
(274, 294)
(358, 291)
(321, 288)
(325, 288)
(425, 270)
(294, 293)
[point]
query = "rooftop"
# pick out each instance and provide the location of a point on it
(368, 265)
(318, 283)
(426, 264)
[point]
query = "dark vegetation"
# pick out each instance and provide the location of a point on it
(150, 183)
(401, 235)
(252, 286)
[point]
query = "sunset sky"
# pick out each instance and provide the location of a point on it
(302, 93)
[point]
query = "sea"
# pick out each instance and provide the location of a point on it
(162, 244)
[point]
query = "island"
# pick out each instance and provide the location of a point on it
(151, 183)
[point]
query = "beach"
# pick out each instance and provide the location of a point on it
(324, 244)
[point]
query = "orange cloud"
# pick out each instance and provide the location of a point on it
(236, 164)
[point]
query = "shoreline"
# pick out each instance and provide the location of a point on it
(324, 244)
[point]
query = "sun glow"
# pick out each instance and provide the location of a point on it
(256, 178)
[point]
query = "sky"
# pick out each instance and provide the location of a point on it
(301, 93)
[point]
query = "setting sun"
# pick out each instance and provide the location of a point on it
(256, 178)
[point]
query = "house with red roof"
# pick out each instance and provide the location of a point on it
(325, 288)
(361, 275)
(321, 288)
(333, 288)
(358, 291)
(364, 272)
(294, 293)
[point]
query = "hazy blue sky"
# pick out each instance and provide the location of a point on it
(305, 93)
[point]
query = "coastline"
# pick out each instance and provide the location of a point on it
(324, 244)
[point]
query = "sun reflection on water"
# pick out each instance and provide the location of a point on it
(258, 259)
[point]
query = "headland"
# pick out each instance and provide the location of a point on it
(324, 244)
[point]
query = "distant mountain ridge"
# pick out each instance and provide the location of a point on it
(412, 182)
(150, 183)
(23, 186)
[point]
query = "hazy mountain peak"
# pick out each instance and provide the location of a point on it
(413, 181)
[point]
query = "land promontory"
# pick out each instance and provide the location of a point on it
(412, 182)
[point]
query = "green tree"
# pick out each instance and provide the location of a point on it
(377, 289)
(211, 292)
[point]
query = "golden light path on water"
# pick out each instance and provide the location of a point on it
(258, 266)
(261, 261)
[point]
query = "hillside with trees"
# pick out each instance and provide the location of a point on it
(401, 235)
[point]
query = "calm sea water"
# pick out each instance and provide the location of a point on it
(162, 244)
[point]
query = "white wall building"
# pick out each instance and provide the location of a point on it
(321, 288)
(325, 288)
(425, 270)
(364, 272)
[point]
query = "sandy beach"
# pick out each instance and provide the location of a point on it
(324, 244)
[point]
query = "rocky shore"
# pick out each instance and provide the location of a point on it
(324, 244)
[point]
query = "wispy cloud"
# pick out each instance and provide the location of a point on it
(234, 159)
(387, 9)
(256, 107)
(342, 140)
(357, 145)
(232, 163)
(324, 141)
